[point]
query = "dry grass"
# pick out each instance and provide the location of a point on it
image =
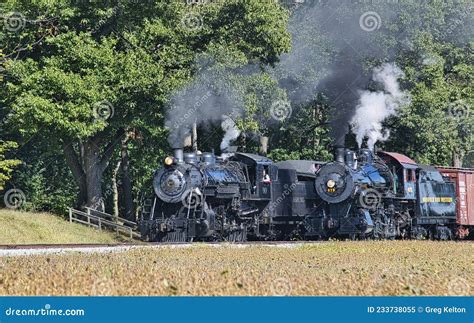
(334, 268)
(43, 228)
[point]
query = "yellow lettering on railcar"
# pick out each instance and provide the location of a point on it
(437, 200)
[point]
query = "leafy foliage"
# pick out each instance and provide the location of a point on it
(439, 124)
(71, 60)
(6, 165)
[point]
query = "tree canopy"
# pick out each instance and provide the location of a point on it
(87, 86)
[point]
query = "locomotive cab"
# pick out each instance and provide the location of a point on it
(261, 172)
(404, 173)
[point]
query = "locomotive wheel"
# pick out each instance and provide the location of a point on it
(174, 236)
(237, 236)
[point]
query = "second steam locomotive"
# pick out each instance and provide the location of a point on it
(239, 196)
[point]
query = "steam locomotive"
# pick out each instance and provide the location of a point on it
(383, 196)
(232, 197)
(240, 196)
(204, 198)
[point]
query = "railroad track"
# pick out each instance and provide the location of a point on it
(62, 246)
(162, 244)
(151, 244)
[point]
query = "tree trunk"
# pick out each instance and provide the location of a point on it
(77, 171)
(88, 166)
(115, 189)
(457, 159)
(94, 172)
(126, 182)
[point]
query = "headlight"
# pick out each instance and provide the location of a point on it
(169, 161)
(331, 183)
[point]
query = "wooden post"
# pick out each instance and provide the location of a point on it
(100, 225)
(88, 216)
(70, 215)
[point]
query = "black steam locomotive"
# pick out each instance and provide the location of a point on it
(207, 197)
(383, 196)
(233, 197)
(239, 197)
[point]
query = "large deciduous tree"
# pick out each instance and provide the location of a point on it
(84, 74)
(438, 126)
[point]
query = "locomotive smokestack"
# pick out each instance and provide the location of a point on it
(339, 154)
(178, 154)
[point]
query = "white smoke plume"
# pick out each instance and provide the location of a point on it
(375, 107)
(204, 101)
(232, 132)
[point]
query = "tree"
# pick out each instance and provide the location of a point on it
(98, 72)
(438, 126)
(6, 165)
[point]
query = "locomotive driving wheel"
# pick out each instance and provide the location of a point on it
(228, 228)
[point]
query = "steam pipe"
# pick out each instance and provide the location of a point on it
(339, 154)
(178, 154)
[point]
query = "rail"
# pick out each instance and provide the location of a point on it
(101, 222)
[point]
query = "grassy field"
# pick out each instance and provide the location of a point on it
(38, 228)
(333, 268)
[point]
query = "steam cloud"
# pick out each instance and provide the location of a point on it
(330, 54)
(231, 130)
(206, 100)
(327, 56)
(375, 107)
